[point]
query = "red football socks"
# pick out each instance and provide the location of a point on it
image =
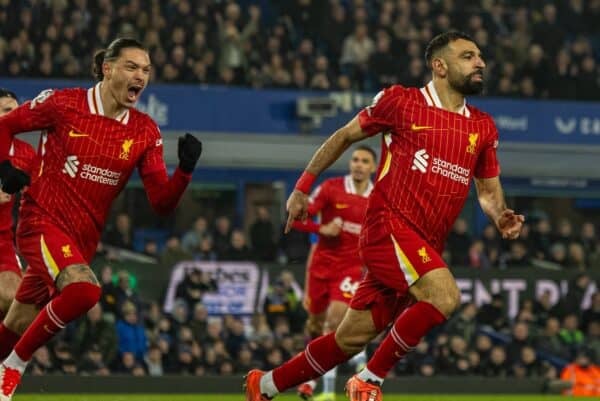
(72, 302)
(320, 355)
(408, 329)
(8, 339)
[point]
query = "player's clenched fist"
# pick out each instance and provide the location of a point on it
(189, 150)
(509, 224)
(297, 207)
(11, 178)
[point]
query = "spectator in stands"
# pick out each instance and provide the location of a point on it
(588, 237)
(108, 301)
(191, 239)
(458, 243)
(583, 374)
(496, 364)
(520, 338)
(173, 253)
(131, 336)
(151, 248)
(550, 340)
(282, 303)
(41, 363)
(592, 314)
(592, 340)
(195, 284)
(570, 334)
(493, 314)
(517, 256)
(541, 239)
(92, 362)
(262, 236)
(207, 251)
(153, 361)
(576, 259)
(125, 292)
(63, 358)
(199, 322)
(96, 330)
(237, 250)
(121, 233)
(463, 324)
(222, 235)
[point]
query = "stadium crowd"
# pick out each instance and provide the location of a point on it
(558, 245)
(125, 334)
(534, 49)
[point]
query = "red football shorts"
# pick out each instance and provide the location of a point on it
(47, 252)
(394, 262)
(320, 291)
(9, 261)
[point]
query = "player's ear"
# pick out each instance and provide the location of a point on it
(107, 69)
(439, 66)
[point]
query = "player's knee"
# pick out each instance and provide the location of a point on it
(351, 343)
(332, 323)
(314, 326)
(87, 294)
(447, 301)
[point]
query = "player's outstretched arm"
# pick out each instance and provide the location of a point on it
(491, 199)
(163, 192)
(329, 152)
(38, 114)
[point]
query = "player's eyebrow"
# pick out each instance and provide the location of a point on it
(136, 65)
(470, 53)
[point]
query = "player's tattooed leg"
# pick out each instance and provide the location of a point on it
(78, 273)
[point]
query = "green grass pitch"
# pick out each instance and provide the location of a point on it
(285, 397)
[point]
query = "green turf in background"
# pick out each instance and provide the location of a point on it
(286, 397)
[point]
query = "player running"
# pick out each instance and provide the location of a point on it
(335, 268)
(436, 144)
(94, 140)
(21, 155)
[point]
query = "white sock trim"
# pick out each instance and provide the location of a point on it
(366, 374)
(267, 385)
(15, 362)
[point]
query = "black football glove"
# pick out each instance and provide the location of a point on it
(12, 179)
(189, 150)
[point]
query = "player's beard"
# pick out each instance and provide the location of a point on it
(465, 84)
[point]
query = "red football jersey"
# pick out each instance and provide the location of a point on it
(337, 198)
(23, 156)
(430, 156)
(86, 160)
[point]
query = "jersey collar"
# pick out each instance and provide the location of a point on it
(95, 104)
(432, 99)
(351, 189)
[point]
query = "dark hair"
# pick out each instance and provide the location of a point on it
(441, 41)
(112, 52)
(367, 149)
(7, 93)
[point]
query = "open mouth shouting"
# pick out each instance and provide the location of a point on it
(133, 92)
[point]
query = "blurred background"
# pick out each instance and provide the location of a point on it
(216, 288)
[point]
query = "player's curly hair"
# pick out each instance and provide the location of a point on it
(112, 52)
(440, 41)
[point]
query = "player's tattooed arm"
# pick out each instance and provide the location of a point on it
(77, 273)
(491, 199)
(335, 145)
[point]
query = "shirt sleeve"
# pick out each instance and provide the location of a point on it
(24, 157)
(37, 114)
(163, 192)
(380, 116)
(487, 163)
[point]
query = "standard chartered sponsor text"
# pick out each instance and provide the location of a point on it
(449, 170)
(100, 175)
